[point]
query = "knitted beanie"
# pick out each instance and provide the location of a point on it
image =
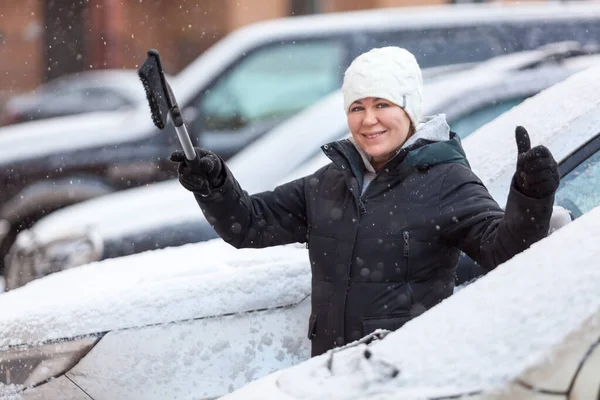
(390, 73)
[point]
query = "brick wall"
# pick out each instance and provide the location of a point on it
(20, 46)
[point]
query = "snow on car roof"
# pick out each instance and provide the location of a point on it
(477, 339)
(193, 281)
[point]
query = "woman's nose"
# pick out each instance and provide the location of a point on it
(370, 118)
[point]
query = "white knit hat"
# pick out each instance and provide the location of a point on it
(390, 73)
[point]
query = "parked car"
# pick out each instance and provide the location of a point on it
(249, 82)
(157, 333)
(87, 91)
(528, 330)
(166, 215)
(216, 317)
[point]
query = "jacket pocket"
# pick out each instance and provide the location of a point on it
(391, 323)
(312, 326)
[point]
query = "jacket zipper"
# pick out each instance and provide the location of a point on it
(406, 236)
(308, 235)
(361, 207)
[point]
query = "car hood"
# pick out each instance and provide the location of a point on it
(63, 134)
(195, 281)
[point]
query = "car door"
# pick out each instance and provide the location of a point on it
(263, 88)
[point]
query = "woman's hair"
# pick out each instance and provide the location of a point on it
(411, 130)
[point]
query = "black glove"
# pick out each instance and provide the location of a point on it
(537, 171)
(200, 174)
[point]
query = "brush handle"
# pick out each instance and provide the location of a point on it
(186, 143)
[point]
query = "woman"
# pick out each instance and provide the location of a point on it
(386, 219)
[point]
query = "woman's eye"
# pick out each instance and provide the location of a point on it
(382, 105)
(355, 109)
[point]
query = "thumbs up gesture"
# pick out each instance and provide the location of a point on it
(537, 171)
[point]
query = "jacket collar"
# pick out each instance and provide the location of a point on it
(432, 144)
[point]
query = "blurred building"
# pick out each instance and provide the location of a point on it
(44, 39)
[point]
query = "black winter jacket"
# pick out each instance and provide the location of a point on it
(383, 257)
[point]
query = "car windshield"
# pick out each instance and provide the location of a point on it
(578, 190)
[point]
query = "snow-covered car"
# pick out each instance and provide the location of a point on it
(166, 215)
(82, 92)
(201, 320)
(247, 83)
(530, 329)
(157, 333)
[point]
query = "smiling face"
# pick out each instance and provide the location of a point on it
(379, 127)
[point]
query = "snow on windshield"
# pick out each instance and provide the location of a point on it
(203, 279)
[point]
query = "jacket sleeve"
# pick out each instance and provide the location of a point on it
(265, 219)
(473, 221)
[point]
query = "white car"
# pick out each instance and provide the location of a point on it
(165, 215)
(528, 330)
(201, 320)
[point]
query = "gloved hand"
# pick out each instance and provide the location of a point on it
(201, 174)
(537, 171)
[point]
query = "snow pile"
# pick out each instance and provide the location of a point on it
(10, 392)
(192, 281)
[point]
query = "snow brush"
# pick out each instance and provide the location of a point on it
(162, 101)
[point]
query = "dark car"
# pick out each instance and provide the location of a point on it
(166, 215)
(246, 84)
(87, 91)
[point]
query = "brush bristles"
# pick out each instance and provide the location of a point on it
(155, 92)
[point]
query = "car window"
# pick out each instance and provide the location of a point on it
(579, 191)
(272, 82)
(469, 123)
(443, 46)
(582, 31)
(105, 98)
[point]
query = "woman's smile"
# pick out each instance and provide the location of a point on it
(373, 135)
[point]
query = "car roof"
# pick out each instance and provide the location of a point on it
(123, 81)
